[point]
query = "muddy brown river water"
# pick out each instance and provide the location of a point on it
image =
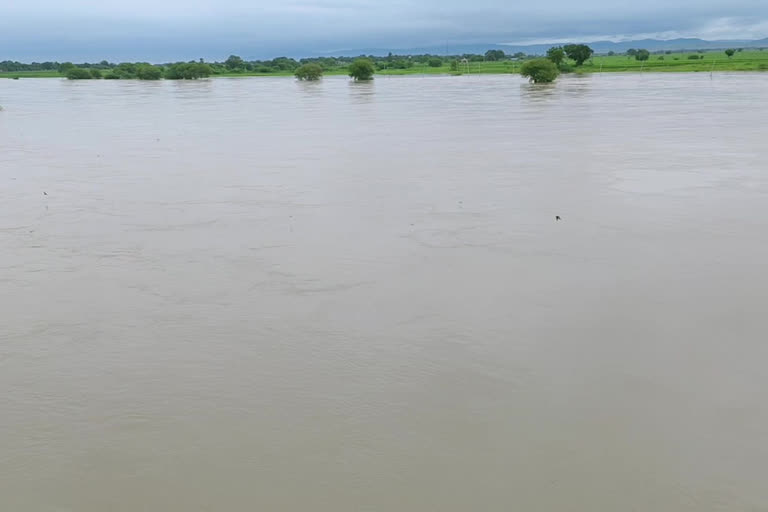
(258, 294)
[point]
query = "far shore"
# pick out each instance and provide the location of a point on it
(661, 62)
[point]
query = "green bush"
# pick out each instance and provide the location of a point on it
(284, 64)
(693, 56)
(361, 70)
(729, 52)
(148, 72)
(78, 74)
(642, 55)
(660, 57)
(578, 52)
(309, 72)
(188, 71)
(126, 70)
(494, 55)
(565, 67)
(111, 76)
(234, 63)
(402, 64)
(435, 62)
(539, 71)
(95, 73)
(65, 67)
(556, 54)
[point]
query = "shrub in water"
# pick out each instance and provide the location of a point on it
(188, 71)
(361, 69)
(539, 71)
(309, 72)
(78, 74)
(148, 72)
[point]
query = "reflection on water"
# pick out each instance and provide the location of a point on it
(310, 88)
(538, 92)
(362, 92)
(240, 294)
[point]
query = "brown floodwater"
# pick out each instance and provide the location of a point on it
(258, 294)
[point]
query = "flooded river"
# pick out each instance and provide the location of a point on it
(258, 294)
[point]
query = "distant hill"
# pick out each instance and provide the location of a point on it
(540, 49)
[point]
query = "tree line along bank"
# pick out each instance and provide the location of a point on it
(565, 59)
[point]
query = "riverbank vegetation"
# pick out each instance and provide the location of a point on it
(492, 62)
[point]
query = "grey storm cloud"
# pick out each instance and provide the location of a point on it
(188, 28)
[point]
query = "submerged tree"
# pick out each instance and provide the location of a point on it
(78, 74)
(309, 72)
(148, 72)
(188, 71)
(539, 71)
(362, 69)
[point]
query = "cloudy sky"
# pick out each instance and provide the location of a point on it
(162, 30)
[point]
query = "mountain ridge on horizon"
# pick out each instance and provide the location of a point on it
(217, 52)
(600, 46)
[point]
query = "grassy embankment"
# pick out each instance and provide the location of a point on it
(748, 60)
(674, 62)
(680, 62)
(30, 74)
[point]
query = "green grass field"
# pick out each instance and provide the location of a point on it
(679, 62)
(30, 74)
(489, 68)
(751, 60)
